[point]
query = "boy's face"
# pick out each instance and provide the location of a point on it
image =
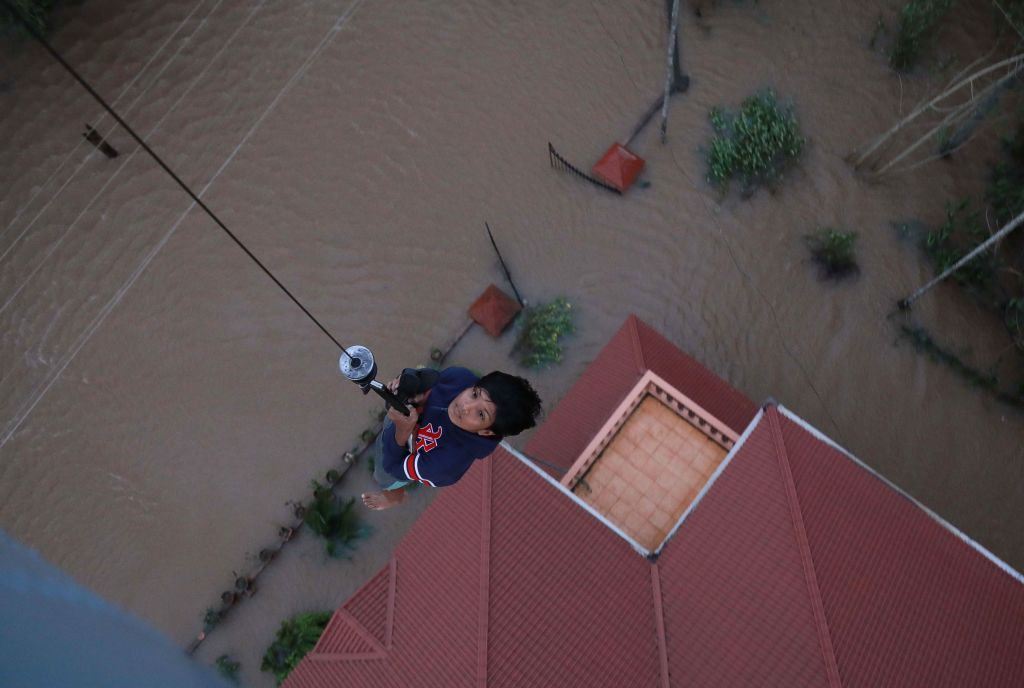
(473, 411)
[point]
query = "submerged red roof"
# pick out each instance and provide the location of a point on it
(798, 567)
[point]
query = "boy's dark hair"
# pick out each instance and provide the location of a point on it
(516, 404)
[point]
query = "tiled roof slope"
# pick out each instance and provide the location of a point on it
(798, 567)
(634, 350)
(908, 602)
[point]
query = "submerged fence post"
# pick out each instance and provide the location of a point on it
(904, 304)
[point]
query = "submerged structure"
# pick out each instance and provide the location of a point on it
(694, 539)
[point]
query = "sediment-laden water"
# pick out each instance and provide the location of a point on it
(161, 400)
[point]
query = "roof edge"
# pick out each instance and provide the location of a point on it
(1009, 570)
(714, 477)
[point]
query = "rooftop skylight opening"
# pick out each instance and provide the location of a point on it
(650, 461)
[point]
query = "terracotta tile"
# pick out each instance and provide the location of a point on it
(634, 522)
(643, 483)
(627, 473)
(661, 519)
(664, 483)
(665, 453)
(619, 511)
(645, 507)
(703, 463)
(630, 495)
(658, 430)
(624, 444)
(650, 536)
(647, 444)
(602, 501)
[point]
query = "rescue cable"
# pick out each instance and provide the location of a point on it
(360, 366)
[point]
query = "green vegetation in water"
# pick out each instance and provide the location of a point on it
(296, 637)
(333, 520)
(37, 12)
(756, 143)
(1005, 194)
(211, 617)
(228, 668)
(917, 24)
(1013, 315)
(926, 344)
(833, 251)
(962, 231)
(542, 329)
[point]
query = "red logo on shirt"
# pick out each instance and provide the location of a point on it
(426, 438)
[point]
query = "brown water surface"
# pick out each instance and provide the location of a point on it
(161, 400)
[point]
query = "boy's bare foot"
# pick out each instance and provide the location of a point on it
(383, 500)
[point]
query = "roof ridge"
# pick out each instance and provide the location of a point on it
(377, 650)
(483, 618)
(810, 578)
(659, 624)
(632, 322)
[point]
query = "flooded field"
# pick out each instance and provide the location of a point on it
(162, 400)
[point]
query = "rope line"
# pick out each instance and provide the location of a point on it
(54, 245)
(101, 121)
(41, 390)
(57, 56)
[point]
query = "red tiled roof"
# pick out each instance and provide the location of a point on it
(798, 567)
(632, 351)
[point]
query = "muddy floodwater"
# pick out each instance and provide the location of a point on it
(161, 400)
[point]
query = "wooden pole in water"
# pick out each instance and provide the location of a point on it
(904, 304)
(670, 69)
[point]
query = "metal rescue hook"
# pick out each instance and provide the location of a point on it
(358, 365)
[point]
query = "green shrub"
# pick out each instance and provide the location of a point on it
(228, 668)
(337, 523)
(37, 12)
(1013, 316)
(962, 231)
(295, 638)
(833, 251)
(917, 24)
(1005, 192)
(211, 617)
(756, 143)
(542, 328)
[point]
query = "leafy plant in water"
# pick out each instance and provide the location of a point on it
(955, 238)
(211, 617)
(333, 520)
(295, 638)
(228, 668)
(833, 251)
(36, 12)
(756, 143)
(916, 29)
(542, 328)
(1005, 193)
(1013, 316)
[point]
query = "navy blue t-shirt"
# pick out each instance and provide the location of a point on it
(443, 451)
